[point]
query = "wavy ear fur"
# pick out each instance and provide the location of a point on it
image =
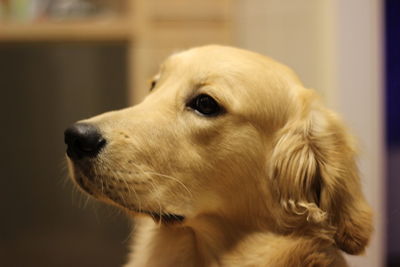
(316, 176)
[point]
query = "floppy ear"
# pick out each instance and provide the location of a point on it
(316, 177)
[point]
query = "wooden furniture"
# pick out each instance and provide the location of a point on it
(152, 29)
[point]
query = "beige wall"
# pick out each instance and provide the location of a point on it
(292, 32)
(334, 45)
(359, 97)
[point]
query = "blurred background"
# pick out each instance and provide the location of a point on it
(64, 60)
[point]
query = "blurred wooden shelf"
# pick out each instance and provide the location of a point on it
(85, 30)
(151, 29)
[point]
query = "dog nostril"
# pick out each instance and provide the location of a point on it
(83, 140)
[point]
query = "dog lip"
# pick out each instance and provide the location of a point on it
(165, 218)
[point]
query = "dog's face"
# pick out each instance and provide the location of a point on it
(194, 144)
(219, 133)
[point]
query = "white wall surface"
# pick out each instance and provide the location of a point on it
(335, 47)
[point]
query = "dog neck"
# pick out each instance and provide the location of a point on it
(197, 242)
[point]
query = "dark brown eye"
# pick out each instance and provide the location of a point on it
(205, 105)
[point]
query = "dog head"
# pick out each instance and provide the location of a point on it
(229, 132)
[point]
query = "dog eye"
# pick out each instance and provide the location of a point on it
(205, 105)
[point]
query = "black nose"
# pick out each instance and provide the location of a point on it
(83, 140)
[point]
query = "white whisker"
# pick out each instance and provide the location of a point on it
(173, 179)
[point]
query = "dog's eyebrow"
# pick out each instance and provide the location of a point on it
(201, 83)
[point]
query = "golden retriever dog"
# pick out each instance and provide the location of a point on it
(229, 161)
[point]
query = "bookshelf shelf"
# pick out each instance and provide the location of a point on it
(83, 30)
(151, 29)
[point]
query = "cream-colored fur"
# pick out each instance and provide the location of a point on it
(271, 181)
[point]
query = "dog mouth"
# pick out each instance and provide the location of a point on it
(165, 218)
(86, 185)
(162, 218)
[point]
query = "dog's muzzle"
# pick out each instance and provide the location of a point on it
(83, 141)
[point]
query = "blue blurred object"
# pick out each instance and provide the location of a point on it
(393, 72)
(392, 40)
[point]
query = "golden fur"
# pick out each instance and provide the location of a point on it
(270, 182)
